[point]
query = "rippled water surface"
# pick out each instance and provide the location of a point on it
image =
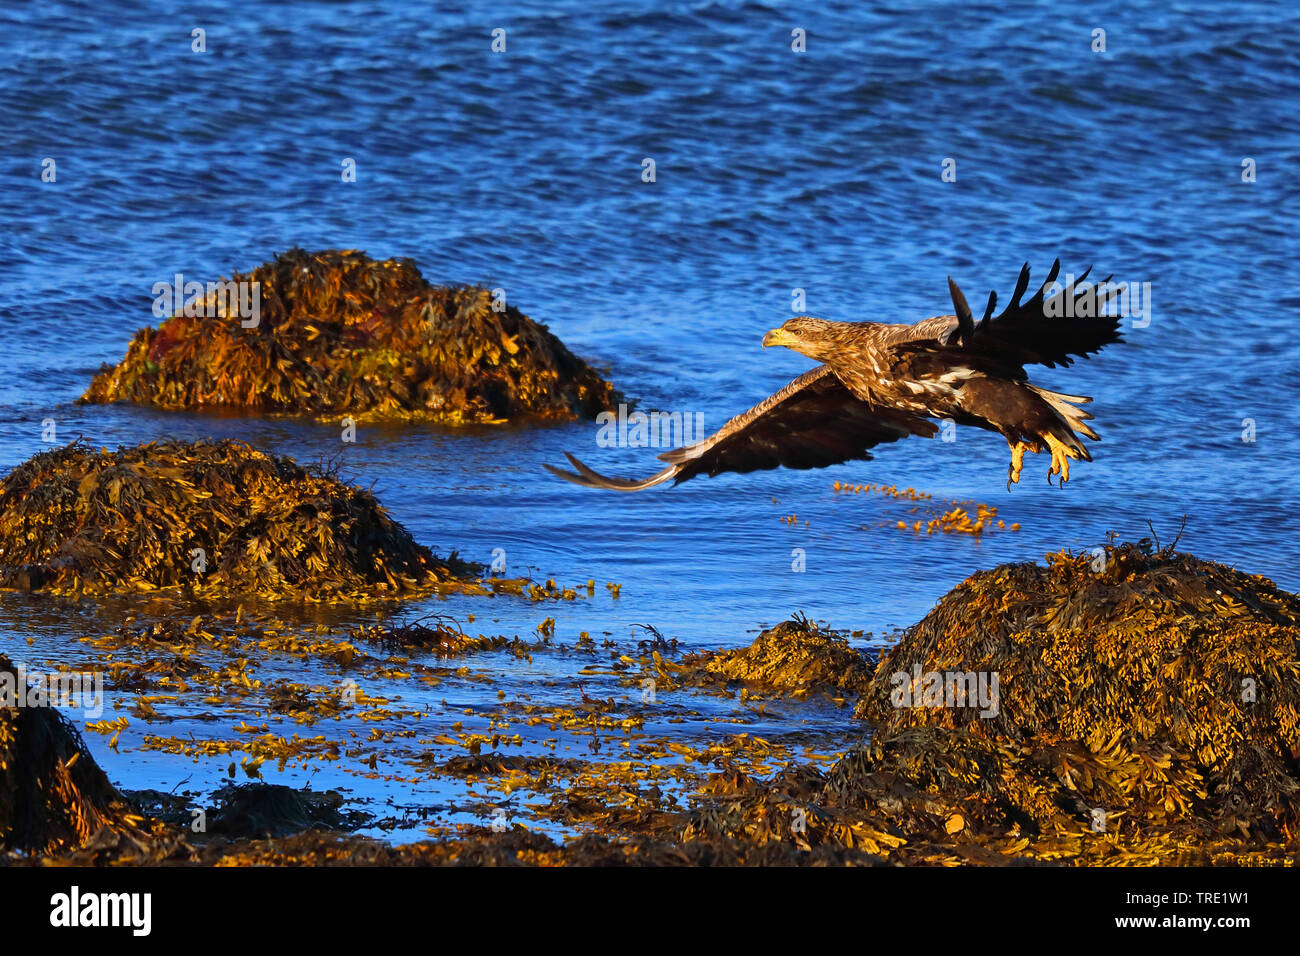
(776, 171)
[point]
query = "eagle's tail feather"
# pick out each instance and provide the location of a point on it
(594, 479)
(1075, 419)
(1031, 419)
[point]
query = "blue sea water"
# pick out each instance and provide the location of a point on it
(774, 171)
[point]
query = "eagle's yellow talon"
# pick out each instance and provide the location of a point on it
(1061, 455)
(1017, 462)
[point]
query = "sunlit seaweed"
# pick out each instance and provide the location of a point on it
(794, 657)
(52, 794)
(1146, 713)
(212, 516)
(959, 517)
(959, 520)
(1122, 734)
(341, 334)
(893, 491)
(1155, 686)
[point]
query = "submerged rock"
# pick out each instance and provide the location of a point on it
(274, 810)
(340, 334)
(213, 516)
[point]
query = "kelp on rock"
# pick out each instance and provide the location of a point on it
(339, 334)
(214, 516)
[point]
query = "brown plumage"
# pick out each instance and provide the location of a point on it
(882, 382)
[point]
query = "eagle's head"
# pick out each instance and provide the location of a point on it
(814, 338)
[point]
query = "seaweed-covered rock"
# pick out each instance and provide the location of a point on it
(1144, 712)
(340, 334)
(213, 516)
(445, 638)
(794, 657)
(1159, 683)
(1152, 690)
(53, 796)
(274, 810)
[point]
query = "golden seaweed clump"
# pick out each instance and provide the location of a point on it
(1144, 712)
(340, 334)
(213, 516)
(52, 794)
(1154, 688)
(796, 656)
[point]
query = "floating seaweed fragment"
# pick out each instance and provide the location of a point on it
(893, 491)
(959, 520)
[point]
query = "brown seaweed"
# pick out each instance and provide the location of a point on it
(208, 515)
(795, 657)
(53, 796)
(1145, 715)
(341, 334)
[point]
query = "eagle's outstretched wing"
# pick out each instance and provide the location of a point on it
(1042, 330)
(813, 422)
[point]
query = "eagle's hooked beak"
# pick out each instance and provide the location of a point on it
(778, 337)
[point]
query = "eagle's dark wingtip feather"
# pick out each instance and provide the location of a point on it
(1033, 331)
(1053, 272)
(1022, 283)
(965, 321)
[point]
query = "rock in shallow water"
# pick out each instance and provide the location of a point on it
(338, 334)
(214, 516)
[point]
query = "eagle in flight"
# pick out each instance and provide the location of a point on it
(881, 382)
